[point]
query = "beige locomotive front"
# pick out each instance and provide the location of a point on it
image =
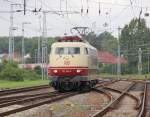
(66, 54)
(71, 62)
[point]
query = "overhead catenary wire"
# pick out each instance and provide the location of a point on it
(81, 7)
(87, 11)
(18, 25)
(118, 4)
(66, 10)
(132, 8)
(10, 1)
(99, 10)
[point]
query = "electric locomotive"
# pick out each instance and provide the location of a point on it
(73, 62)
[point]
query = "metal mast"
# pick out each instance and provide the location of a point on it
(118, 58)
(11, 34)
(23, 47)
(140, 61)
(11, 28)
(44, 48)
(39, 42)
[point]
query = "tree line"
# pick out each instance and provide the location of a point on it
(134, 35)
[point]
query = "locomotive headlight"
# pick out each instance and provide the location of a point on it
(55, 71)
(78, 70)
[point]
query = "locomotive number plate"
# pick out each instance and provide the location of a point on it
(66, 62)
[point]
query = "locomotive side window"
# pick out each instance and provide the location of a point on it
(67, 50)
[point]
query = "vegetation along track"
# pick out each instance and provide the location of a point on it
(113, 102)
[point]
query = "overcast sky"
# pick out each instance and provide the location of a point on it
(113, 12)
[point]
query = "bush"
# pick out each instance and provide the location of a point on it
(30, 75)
(11, 72)
(1, 67)
(37, 69)
(108, 68)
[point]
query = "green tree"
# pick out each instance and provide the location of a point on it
(104, 41)
(134, 36)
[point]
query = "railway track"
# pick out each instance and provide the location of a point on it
(29, 101)
(138, 102)
(42, 101)
(5, 99)
(20, 90)
(147, 105)
(144, 110)
(15, 98)
(113, 102)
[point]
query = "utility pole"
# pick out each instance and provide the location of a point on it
(140, 61)
(23, 47)
(11, 32)
(39, 42)
(118, 58)
(24, 4)
(44, 48)
(35, 56)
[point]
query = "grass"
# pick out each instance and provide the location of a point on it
(27, 83)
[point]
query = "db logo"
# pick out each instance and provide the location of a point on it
(66, 62)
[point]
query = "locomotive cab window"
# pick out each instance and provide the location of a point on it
(60, 50)
(74, 50)
(67, 50)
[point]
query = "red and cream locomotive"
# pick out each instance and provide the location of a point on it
(73, 62)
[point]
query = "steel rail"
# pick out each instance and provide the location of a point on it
(18, 98)
(126, 79)
(21, 88)
(112, 103)
(48, 95)
(142, 110)
(110, 97)
(14, 91)
(138, 101)
(14, 98)
(106, 83)
(47, 101)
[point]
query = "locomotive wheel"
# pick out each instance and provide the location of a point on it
(67, 86)
(86, 86)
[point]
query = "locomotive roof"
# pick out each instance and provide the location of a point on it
(71, 44)
(70, 41)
